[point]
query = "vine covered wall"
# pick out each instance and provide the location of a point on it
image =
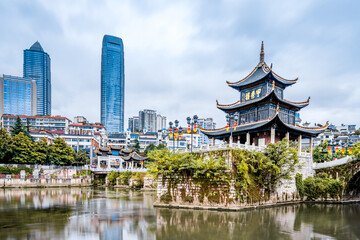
(227, 177)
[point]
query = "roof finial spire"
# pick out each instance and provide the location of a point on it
(262, 52)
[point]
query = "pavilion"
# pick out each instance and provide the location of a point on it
(262, 115)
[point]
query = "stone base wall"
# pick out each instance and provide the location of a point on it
(217, 195)
(150, 183)
(289, 186)
(44, 182)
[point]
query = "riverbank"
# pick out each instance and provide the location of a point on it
(43, 183)
(252, 207)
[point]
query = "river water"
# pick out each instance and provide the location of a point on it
(104, 213)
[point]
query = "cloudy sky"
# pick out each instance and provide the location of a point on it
(179, 54)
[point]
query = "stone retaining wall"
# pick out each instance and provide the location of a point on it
(215, 195)
(14, 182)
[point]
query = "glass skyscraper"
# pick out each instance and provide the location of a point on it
(112, 84)
(17, 95)
(37, 67)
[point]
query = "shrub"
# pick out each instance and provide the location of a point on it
(166, 198)
(124, 177)
(112, 176)
(299, 184)
(316, 187)
(14, 170)
(189, 199)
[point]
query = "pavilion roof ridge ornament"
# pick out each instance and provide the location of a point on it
(262, 54)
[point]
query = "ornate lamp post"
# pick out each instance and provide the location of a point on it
(192, 127)
(231, 119)
(179, 137)
(175, 131)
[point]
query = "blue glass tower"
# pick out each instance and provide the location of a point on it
(37, 67)
(112, 84)
(17, 95)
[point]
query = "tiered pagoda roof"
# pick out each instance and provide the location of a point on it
(264, 124)
(270, 97)
(262, 72)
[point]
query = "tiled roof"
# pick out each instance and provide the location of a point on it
(261, 71)
(271, 95)
(241, 129)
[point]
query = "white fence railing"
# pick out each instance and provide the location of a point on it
(109, 169)
(207, 148)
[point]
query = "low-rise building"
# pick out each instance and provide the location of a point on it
(206, 123)
(115, 158)
(87, 128)
(87, 143)
(37, 122)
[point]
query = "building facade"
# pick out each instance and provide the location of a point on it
(206, 123)
(17, 95)
(37, 67)
(112, 84)
(262, 115)
(147, 121)
(87, 128)
(57, 123)
(87, 143)
(134, 124)
(80, 120)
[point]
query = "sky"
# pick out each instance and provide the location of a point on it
(179, 54)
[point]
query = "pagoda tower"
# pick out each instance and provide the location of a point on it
(262, 115)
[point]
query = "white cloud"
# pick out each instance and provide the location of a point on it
(179, 54)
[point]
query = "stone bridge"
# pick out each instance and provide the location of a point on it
(347, 169)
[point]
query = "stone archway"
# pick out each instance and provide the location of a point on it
(353, 187)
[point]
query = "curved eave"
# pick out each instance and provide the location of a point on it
(284, 80)
(240, 128)
(259, 73)
(238, 104)
(135, 157)
(317, 130)
(223, 132)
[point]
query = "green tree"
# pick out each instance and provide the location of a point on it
(5, 146)
(136, 146)
(41, 152)
(321, 154)
(150, 147)
(80, 157)
(60, 153)
(17, 128)
(161, 146)
(22, 148)
(284, 157)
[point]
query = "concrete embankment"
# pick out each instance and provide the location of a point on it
(16, 183)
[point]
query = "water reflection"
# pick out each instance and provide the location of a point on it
(76, 213)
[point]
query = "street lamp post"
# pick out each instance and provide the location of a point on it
(232, 123)
(191, 127)
(178, 139)
(172, 131)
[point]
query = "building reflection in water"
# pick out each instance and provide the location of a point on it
(85, 213)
